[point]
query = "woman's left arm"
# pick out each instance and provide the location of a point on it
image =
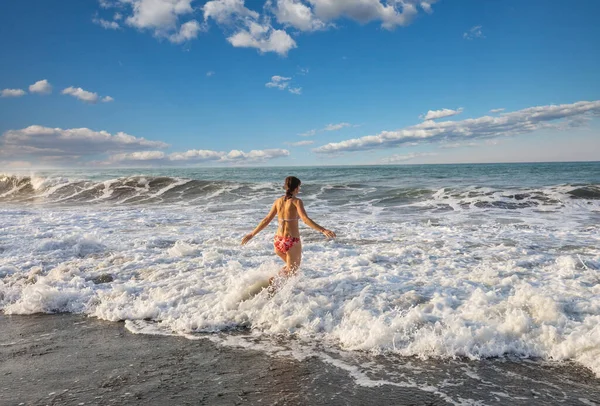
(307, 220)
(265, 222)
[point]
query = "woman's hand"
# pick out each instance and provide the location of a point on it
(247, 238)
(328, 233)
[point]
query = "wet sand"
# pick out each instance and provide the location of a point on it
(69, 359)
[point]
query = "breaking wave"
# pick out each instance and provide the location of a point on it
(148, 190)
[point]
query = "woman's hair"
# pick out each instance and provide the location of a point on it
(290, 184)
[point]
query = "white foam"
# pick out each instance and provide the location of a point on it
(182, 249)
(468, 282)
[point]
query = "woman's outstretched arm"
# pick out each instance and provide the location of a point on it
(308, 221)
(265, 222)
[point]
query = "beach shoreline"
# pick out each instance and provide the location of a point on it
(68, 359)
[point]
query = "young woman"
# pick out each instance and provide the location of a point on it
(289, 210)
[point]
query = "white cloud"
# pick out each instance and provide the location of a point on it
(249, 31)
(283, 83)
(434, 114)
(106, 3)
(86, 96)
(390, 13)
(13, 93)
(81, 94)
(161, 17)
(41, 87)
(264, 38)
(228, 11)
(107, 25)
(426, 6)
(187, 31)
(311, 15)
(138, 156)
(524, 121)
(474, 32)
(309, 133)
(392, 159)
(210, 73)
(48, 143)
(280, 82)
(80, 146)
(493, 111)
(300, 143)
(296, 14)
(195, 156)
(336, 127)
(328, 127)
(255, 155)
(247, 28)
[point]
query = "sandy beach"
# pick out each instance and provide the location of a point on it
(69, 359)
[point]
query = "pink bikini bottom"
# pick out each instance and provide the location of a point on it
(283, 244)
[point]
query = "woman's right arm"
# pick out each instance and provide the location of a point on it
(265, 222)
(308, 221)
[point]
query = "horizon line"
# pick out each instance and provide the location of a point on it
(295, 166)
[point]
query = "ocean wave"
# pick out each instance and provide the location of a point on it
(125, 190)
(151, 190)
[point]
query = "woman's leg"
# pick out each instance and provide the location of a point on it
(283, 270)
(281, 255)
(293, 258)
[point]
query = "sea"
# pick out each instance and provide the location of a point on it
(431, 262)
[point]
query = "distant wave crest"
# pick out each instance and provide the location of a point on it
(164, 189)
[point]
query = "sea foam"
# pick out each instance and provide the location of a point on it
(447, 273)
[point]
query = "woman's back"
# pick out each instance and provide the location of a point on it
(287, 214)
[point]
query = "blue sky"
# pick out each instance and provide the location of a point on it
(228, 82)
